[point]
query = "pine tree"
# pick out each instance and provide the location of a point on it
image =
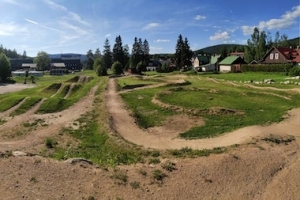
(135, 53)
(183, 53)
(97, 53)
(178, 52)
(90, 59)
(146, 52)
(118, 52)
(107, 55)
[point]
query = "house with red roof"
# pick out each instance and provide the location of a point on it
(280, 55)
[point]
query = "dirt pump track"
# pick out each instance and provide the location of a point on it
(166, 138)
(254, 170)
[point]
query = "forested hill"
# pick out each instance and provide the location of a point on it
(216, 49)
(238, 47)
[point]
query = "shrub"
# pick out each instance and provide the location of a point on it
(49, 143)
(117, 68)
(266, 67)
(159, 175)
(295, 71)
(101, 71)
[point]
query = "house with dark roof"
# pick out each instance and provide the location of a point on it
(200, 59)
(231, 64)
(240, 54)
(153, 65)
(280, 55)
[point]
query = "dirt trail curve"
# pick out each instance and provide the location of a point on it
(126, 127)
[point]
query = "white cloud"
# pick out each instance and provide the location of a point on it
(72, 15)
(199, 17)
(71, 32)
(43, 26)
(11, 29)
(162, 40)
(285, 21)
(247, 30)
(108, 35)
(220, 36)
(31, 21)
(151, 26)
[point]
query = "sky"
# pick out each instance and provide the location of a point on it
(76, 26)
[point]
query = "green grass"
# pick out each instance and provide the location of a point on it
(134, 82)
(58, 103)
(247, 76)
(63, 91)
(51, 89)
(146, 113)
(25, 106)
(10, 101)
(191, 153)
(97, 146)
(94, 142)
(249, 106)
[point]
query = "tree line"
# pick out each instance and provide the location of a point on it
(119, 59)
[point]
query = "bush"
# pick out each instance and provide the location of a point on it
(4, 67)
(295, 71)
(117, 68)
(266, 67)
(101, 71)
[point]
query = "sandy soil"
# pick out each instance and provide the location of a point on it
(256, 169)
(6, 88)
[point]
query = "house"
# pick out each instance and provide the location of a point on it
(57, 68)
(231, 64)
(280, 55)
(153, 65)
(29, 66)
(240, 54)
(200, 59)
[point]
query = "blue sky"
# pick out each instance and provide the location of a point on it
(75, 26)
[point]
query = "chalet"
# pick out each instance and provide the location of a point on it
(153, 65)
(58, 69)
(201, 59)
(211, 66)
(29, 66)
(231, 64)
(280, 55)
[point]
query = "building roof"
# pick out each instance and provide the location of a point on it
(58, 65)
(214, 59)
(229, 60)
(241, 54)
(30, 65)
(290, 54)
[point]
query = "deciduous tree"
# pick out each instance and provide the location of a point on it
(4, 67)
(42, 60)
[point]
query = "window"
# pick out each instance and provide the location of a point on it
(271, 56)
(276, 56)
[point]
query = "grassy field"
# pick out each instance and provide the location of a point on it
(46, 87)
(241, 106)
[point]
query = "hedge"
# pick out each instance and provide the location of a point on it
(267, 67)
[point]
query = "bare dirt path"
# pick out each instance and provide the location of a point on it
(7, 88)
(125, 125)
